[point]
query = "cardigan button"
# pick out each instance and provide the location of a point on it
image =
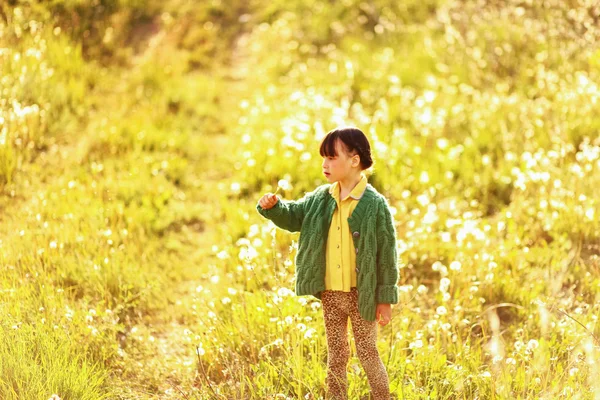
(356, 269)
(356, 250)
(356, 234)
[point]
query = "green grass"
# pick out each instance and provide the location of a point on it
(38, 363)
(133, 264)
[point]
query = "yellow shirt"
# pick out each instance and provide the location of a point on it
(340, 270)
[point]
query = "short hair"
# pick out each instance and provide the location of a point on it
(353, 139)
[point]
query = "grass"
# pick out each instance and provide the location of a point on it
(133, 264)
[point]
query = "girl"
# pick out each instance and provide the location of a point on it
(346, 256)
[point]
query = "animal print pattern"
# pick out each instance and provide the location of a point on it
(337, 307)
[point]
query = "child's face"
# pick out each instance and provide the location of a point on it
(342, 165)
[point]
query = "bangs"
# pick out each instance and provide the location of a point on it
(328, 145)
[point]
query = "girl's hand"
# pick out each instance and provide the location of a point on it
(268, 201)
(383, 314)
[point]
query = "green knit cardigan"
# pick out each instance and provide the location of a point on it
(373, 234)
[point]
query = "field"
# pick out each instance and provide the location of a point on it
(136, 138)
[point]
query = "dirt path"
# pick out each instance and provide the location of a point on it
(165, 345)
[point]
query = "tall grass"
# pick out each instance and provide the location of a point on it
(136, 138)
(37, 363)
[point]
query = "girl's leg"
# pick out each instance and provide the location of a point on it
(338, 350)
(365, 337)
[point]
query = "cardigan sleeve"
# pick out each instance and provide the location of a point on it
(387, 257)
(287, 214)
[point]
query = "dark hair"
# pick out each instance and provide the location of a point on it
(353, 139)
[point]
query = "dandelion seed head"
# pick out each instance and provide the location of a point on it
(444, 285)
(455, 266)
(309, 333)
(532, 345)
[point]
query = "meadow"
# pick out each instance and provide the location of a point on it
(136, 138)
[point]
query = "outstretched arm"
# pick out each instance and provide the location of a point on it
(286, 215)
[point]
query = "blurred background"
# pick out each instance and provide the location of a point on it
(136, 138)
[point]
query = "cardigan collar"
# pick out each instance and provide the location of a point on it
(362, 208)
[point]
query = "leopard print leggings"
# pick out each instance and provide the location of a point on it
(337, 307)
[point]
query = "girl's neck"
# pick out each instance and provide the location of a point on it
(349, 183)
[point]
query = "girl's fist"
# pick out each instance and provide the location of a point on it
(268, 201)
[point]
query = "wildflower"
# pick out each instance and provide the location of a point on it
(589, 213)
(442, 143)
(423, 199)
(532, 345)
(235, 188)
(444, 285)
(309, 333)
(455, 266)
(518, 345)
(282, 292)
(248, 253)
(284, 184)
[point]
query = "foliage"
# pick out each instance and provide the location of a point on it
(136, 138)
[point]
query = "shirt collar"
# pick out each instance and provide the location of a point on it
(356, 193)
